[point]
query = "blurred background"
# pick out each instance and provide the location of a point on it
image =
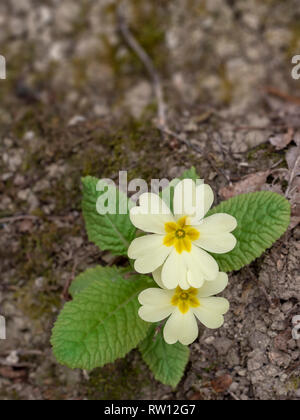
(79, 100)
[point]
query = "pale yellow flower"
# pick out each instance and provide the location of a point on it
(179, 241)
(184, 307)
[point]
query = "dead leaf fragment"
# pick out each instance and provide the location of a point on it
(197, 396)
(291, 157)
(25, 226)
(282, 95)
(279, 358)
(11, 373)
(293, 190)
(295, 220)
(203, 117)
(281, 340)
(222, 383)
(280, 141)
(297, 138)
(250, 183)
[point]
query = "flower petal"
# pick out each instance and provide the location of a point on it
(169, 239)
(215, 304)
(181, 327)
(218, 223)
(171, 227)
(209, 319)
(211, 310)
(195, 279)
(183, 281)
(149, 253)
(152, 214)
(152, 204)
(157, 277)
(183, 244)
(155, 313)
(211, 288)
(219, 243)
(144, 245)
(199, 261)
(184, 198)
(192, 233)
(150, 262)
(174, 271)
(204, 201)
(155, 297)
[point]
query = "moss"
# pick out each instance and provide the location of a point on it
(64, 193)
(28, 122)
(80, 24)
(16, 65)
(226, 85)
(196, 7)
(37, 258)
(36, 250)
(148, 28)
(79, 67)
(294, 44)
(271, 2)
(124, 149)
(37, 305)
(123, 380)
(211, 368)
(293, 384)
(117, 62)
(10, 395)
(265, 152)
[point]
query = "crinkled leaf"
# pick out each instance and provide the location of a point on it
(112, 232)
(84, 280)
(101, 324)
(166, 361)
(262, 218)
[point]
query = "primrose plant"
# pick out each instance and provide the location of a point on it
(181, 250)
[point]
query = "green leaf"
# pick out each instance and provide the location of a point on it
(112, 232)
(190, 174)
(101, 324)
(166, 361)
(262, 218)
(84, 280)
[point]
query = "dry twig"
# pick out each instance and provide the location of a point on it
(146, 60)
(13, 219)
(293, 175)
(65, 293)
(282, 95)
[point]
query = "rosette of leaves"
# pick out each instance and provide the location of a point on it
(101, 323)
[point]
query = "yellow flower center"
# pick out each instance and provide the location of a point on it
(185, 299)
(180, 235)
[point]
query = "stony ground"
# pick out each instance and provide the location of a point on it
(78, 101)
